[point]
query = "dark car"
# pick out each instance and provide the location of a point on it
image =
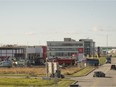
(113, 67)
(75, 85)
(99, 74)
(108, 61)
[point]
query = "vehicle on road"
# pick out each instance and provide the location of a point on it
(113, 67)
(99, 74)
(75, 86)
(108, 59)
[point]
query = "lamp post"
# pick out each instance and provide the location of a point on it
(46, 67)
(107, 45)
(47, 62)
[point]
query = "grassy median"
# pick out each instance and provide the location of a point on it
(84, 71)
(102, 60)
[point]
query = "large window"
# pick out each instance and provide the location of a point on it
(63, 49)
(12, 52)
(65, 44)
(61, 54)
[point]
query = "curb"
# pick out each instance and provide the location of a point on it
(82, 75)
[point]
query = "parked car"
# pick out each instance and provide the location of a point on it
(6, 63)
(113, 67)
(21, 63)
(99, 74)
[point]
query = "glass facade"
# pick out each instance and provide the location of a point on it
(64, 49)
(17, 53)
(65, 44)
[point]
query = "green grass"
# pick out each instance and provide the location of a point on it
(13, 75)
(102, 60)
(24, 82)
(19, 75)
(84, 71)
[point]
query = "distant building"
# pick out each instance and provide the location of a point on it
(36, 55)
(12, 52)
(89, 46)
(105, 50)
(64, 49)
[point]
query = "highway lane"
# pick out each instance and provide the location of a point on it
(90, 81)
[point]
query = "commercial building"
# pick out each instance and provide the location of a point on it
(69, 47)
(64, 49)
(12, 51)
(35, 55)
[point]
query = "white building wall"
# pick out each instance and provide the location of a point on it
(30, 50)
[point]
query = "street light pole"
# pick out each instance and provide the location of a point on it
(46, 67)
(47, 63)
(107, 44)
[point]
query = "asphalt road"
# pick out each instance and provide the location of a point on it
(108, 81)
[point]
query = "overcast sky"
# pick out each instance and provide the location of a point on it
(33, 22)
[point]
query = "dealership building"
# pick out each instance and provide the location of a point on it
(34, 54)
(69, 48)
